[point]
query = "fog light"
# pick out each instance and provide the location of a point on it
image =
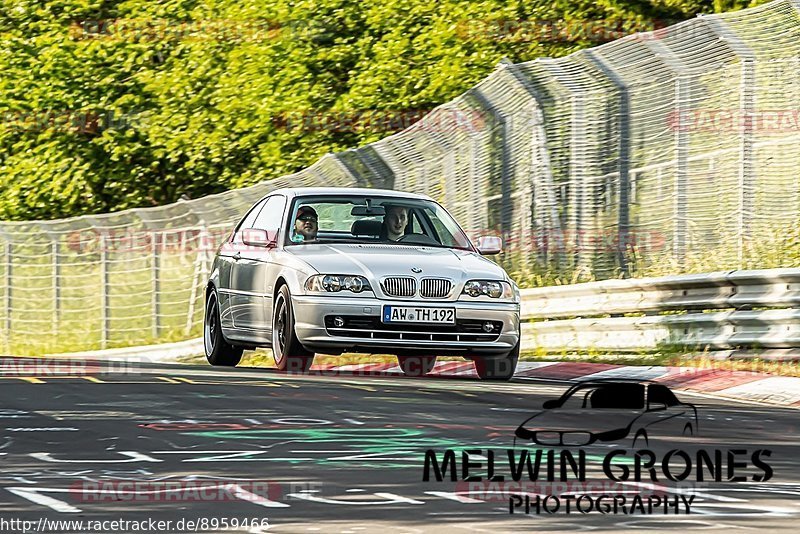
(488, 327)
(338, 322)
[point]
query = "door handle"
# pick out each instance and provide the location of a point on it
(237, 256)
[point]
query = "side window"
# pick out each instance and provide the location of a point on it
(271, 215)
(248, 220)
(662, 395)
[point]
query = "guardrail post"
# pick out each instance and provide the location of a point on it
(155, 274)
(104, 291)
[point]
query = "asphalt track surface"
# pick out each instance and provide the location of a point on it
(333, 453)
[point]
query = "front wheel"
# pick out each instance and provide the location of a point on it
(416, 365)
(498, 368)
(218, 351)
(289, 354)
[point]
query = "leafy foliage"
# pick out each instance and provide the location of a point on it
(110, 104)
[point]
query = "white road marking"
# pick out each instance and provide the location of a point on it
(453, 497)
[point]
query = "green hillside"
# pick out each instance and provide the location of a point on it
(109, 105)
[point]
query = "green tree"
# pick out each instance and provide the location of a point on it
(110, 104)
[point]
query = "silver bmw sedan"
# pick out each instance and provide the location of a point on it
(333, 270)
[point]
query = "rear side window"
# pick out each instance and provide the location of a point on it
(662, 395)
(249, 219)
(271, 214)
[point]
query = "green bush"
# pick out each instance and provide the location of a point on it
(109, 104)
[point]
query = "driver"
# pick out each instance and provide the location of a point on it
(307, 223)
(394, 222)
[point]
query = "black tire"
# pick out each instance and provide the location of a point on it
(218, 351)
(416, 365)
(498, 368)
(289, 354)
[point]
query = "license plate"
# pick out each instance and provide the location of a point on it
(409, 314)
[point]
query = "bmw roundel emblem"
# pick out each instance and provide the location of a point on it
(416, 270)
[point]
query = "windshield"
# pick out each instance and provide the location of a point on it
(360, 219)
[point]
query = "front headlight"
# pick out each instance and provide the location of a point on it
(489, 288)
(334, 283)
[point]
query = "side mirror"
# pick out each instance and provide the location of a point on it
(655, 406)
(489, 245)
(552, 403)
(255, 237)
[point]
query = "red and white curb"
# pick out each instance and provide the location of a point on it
(742, 385)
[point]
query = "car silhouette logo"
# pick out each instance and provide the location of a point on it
(609, 410)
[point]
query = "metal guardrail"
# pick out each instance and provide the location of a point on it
(720, 310)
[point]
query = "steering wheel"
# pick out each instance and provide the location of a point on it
(419, 239)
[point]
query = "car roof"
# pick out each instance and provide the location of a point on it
(338, 191)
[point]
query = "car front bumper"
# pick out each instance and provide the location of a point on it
(366, 333)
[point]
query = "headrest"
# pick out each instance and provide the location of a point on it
(366, 227)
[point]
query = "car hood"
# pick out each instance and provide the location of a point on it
(595, 421)
(377, 261)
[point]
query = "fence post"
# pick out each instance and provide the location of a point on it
(623, 163)
(498, 120)
(681, 100)
(543, 194)
(104, 291)
(747, 106)
(56, 287)
(155, 274)
(8, 259)
(382, 173)
(579, 184)
(354, 180)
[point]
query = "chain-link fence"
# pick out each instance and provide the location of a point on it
(664, 152)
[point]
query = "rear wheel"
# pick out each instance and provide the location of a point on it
(494, 368)
(416, 365)
(289, 354)
(218, 351)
